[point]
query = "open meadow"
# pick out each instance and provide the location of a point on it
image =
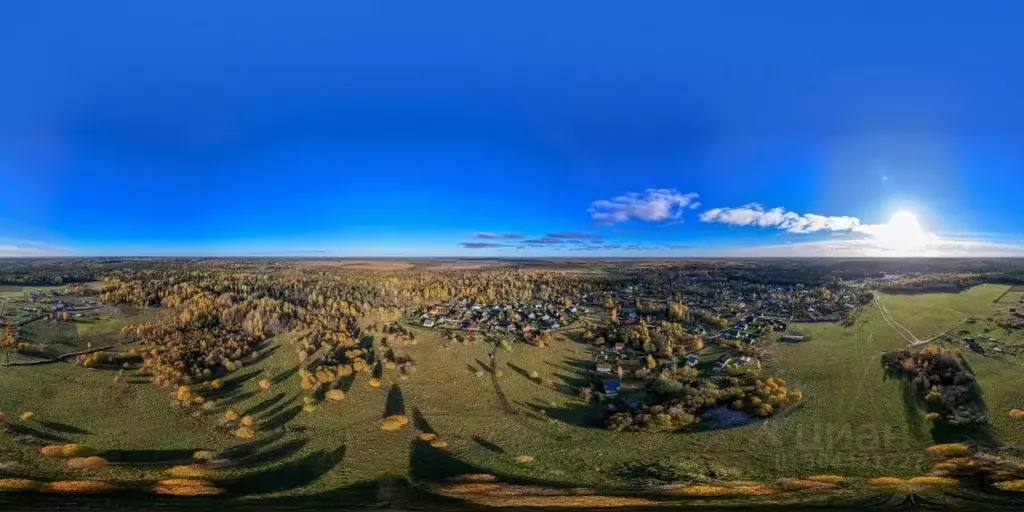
(474, 407)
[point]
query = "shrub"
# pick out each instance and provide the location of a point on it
(374, 383)
(189, 471)
(53, 450)
(703, 491)
(1017, 414)
(804, 483)
(27, 416)
(524, 459)
(428, 436)
(87, 462)
(1011, 485)
(828, 479)
(17, 484)
(204, 455)
(245, 432)
(231, 415)
(185, 487)
(335, 395)
(534, 375)
(932, 416)
(887, 481)
(216, 384)
(934, 481)
(246, 421)
(78, 486)
(948, 449)
(264, 384)
(437, 443)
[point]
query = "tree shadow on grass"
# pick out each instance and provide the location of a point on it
(237, 399)
(285, 375)
(580, 415)
(395, 403)
(264, 405)
(278, 408)
(63, 427)
(290, 475)
(231, 385)
(521, 371)
(142, 457)
(263, 354)
(250, 448)
(25, 430)
(420, 422)
(488, 445)
(279, 452)
(429, 464)
(345, 383)
(911, 408)
(282, 418)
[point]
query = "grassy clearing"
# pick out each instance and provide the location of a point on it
(929, 314)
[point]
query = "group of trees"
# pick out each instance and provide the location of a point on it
(942, 379)
(683, 396)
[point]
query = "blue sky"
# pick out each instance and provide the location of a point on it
(410, 128)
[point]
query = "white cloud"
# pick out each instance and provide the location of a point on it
(654, 205)
(754, 214)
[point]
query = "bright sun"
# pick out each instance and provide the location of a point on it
(904, 223)
(903, 234)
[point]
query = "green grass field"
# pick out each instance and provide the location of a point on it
(853, 422)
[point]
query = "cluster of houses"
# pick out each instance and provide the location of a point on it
(522, 317)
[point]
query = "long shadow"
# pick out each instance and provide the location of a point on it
(250, 448)
(488, 445)
(395, 403)
(911, 408)
(345, 383)
(26, 430)
(420, 422)
(521, 371)
(238, 398)
(289, 475)
(262, 355)
(285, 375)
(581, 415)
(148, 456)
(276, 453)
(231, 385)
(429, 464)
(485, 367)
(472, 369)
(264, 405)
(282, 418)
(63, 427)
(278, 408)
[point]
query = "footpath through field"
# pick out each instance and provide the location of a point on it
(904, 332)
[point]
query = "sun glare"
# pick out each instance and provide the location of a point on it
(902, 234)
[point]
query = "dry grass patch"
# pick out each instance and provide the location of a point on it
(887, 481)
(87, 462)
(428, 436)
(524, 459)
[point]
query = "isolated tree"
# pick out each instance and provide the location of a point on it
(9, 342)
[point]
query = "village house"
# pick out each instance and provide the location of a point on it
(692, 360)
